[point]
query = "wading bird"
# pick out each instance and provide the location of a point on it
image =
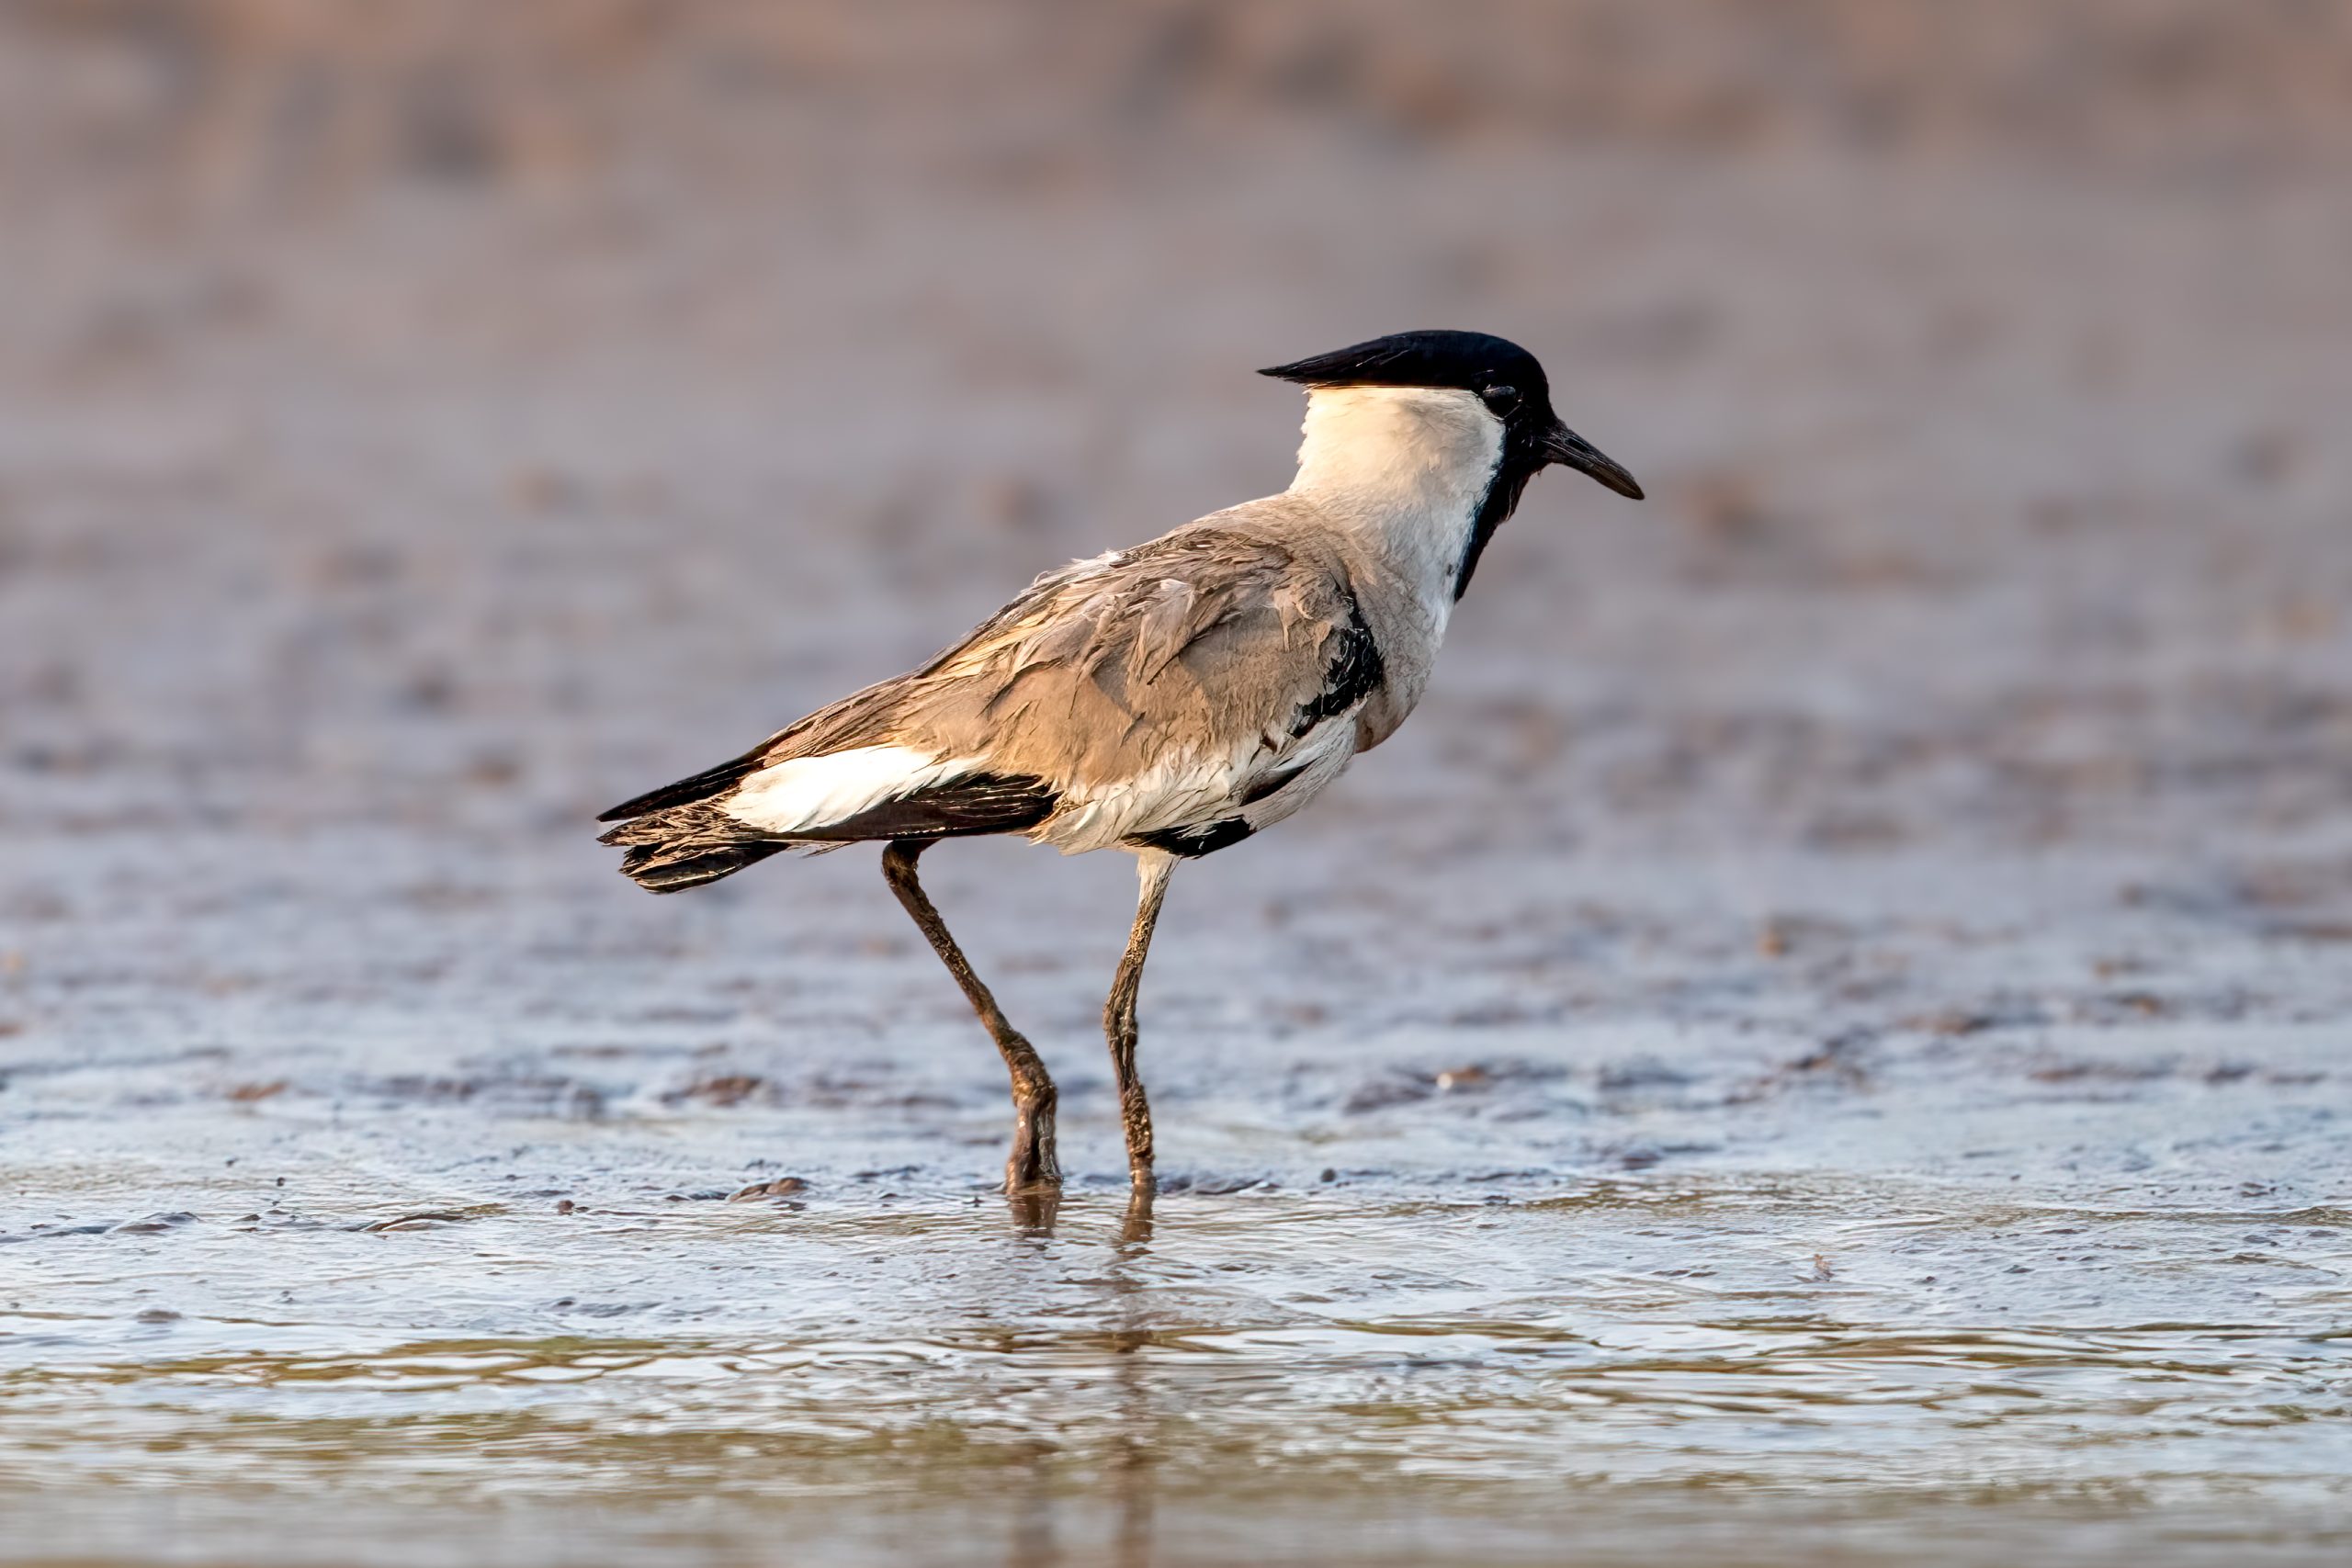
(1170, 699)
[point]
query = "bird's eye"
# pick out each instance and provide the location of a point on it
(1500, 398)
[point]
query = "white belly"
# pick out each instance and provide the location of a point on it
(1189, 794)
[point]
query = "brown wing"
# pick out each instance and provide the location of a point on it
(1125, 692)
(1205, 642)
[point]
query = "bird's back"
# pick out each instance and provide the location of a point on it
(1143, 695)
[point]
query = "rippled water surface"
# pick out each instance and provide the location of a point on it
(457, 1315)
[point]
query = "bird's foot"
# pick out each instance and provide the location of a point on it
(1033, 1166)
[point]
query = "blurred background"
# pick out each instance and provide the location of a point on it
(422, 426)
(474, 412)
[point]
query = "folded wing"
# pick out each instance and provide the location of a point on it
(1179, 693)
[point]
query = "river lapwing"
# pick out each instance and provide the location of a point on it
(1170, 699)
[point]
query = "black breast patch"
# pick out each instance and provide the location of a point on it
(1353, 671)
(1521, 461)
(1194, 842)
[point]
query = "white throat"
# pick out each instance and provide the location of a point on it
(1405, 470)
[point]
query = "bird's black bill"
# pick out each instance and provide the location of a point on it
(1565, 445)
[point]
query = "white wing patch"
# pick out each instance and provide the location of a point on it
(804, 793)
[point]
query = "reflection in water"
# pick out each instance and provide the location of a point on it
(1135, 1230)
(1133, 1455)
(1035, 1210)
(1122, 1308)
(1096, 1375)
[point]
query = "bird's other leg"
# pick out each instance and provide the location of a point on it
(1032, 1164)
(1119, 1016)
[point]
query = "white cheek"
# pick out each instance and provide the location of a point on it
(1455, 435)
(1411, 464)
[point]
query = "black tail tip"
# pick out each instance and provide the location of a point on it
(660, 871)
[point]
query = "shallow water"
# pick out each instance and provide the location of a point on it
(2097, 1301)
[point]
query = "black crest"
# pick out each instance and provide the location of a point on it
(1496, 368)
(1470, 361)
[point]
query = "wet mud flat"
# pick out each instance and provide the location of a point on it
(1849, 1233)
(1823, 1040)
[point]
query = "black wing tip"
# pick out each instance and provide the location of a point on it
(704, 786)
(644, 804)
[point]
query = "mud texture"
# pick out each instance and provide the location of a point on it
(1826, 1039)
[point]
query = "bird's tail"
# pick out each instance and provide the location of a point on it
(688, 845)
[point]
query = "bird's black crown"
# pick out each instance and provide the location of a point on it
(1470, 361)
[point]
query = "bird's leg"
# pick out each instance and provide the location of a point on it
(1119, 1016)
(1032, 1164)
